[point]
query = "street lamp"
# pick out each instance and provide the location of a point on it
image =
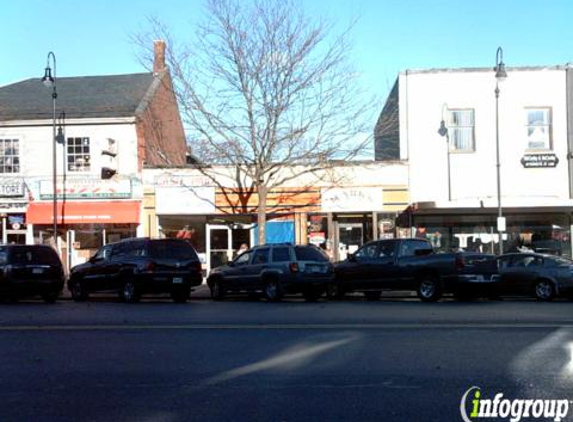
(500, 75)
(50, 82)
(443, 131)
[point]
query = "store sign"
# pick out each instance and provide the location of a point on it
(11, 188)
(181, 200)
(539, 160)
(183, 180)
(351, 199)
(87, 189)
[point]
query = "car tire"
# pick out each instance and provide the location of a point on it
(50, 297)
(544, 290)
(180, 295)
(334, 291)
(372, 296)
(273, 291)
(79, 293)
(130, 292)
(429, 290)
(218, 292)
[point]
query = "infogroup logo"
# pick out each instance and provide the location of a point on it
(474, 406)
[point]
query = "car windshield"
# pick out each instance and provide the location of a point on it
(558, 261)
(305, 253)
(34, 255)
(172, 249)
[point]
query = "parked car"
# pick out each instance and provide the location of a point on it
(275, 270)
(133, 267)
(533, 274)
(30, 270)
(411, 264)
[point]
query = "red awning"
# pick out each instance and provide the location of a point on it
(74, 212)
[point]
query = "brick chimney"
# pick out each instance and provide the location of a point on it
(158, 56)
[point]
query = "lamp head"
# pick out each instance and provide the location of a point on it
(443, 130)
(60, 136)
(48, 80)
(500, 73)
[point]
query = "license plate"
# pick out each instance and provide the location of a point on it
(177, 280)
(316, 269)
(37, 270)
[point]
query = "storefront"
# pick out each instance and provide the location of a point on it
(90, 214)
(541, 229)
(13, 204)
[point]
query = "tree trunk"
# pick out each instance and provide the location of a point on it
(262, 214)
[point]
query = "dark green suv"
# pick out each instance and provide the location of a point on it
(275, 270)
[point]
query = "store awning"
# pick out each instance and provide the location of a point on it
(74, 212)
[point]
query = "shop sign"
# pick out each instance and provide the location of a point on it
(351, 199)
(183, 180)
(11, 188)
(539, 160)
(87, 189)
(180, 200)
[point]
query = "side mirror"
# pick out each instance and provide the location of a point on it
(231, 263)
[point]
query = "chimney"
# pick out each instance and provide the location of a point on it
(158, 56)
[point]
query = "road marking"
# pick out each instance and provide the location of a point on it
(360, 326)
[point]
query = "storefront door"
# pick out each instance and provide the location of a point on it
(350, 237)
(224, 242)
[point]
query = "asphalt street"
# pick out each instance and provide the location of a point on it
(245, 360)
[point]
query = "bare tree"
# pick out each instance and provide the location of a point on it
(269, 90)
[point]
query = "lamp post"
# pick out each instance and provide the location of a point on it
(443, 131)
(50, 82)
(500, 75)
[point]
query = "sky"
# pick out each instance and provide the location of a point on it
(94, 37)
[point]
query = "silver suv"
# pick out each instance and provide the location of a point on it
(275, 270)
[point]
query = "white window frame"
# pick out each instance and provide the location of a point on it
(79, 163)
(12, 158)
(455, 130)
(544, 129)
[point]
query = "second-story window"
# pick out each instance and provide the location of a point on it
(538, 128)
(9, 156)
(461, 130)
(78, 154)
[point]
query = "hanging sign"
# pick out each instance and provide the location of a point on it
(539, 161)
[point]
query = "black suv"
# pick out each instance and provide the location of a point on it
(30, 270)
(274, 269)
(133, 267)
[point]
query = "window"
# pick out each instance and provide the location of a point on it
(281, 255)
(243, 259)
(386, 250)
(9, 156)
(261, 256)
(538, 128)
(168, 249)
(78, 154)
(415, 247)
(461, 130)
(103, 253)
(367, 251)
(310, 253)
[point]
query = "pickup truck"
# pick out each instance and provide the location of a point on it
(411, 264)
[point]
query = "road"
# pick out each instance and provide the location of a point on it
(243, 360)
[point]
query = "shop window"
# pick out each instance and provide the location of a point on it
(78, 154)
(9, 156)
(538, 128)
(461, 130)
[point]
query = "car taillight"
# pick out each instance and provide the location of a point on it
(460, 263)
(196, 266)
(293, 267)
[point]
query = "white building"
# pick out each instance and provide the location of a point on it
(459, 208)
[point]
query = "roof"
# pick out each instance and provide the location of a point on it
(79, 97)
(484, 69)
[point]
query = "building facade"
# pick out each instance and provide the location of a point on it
(109, 127)
(443, 123)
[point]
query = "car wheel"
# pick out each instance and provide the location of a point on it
(50, 297)
(180, 295)
(130, 292)
(429, 290)
(79, 293)
(217, 290)
(334, 291)
(372, 296)
(544, 290)
(273, 291)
